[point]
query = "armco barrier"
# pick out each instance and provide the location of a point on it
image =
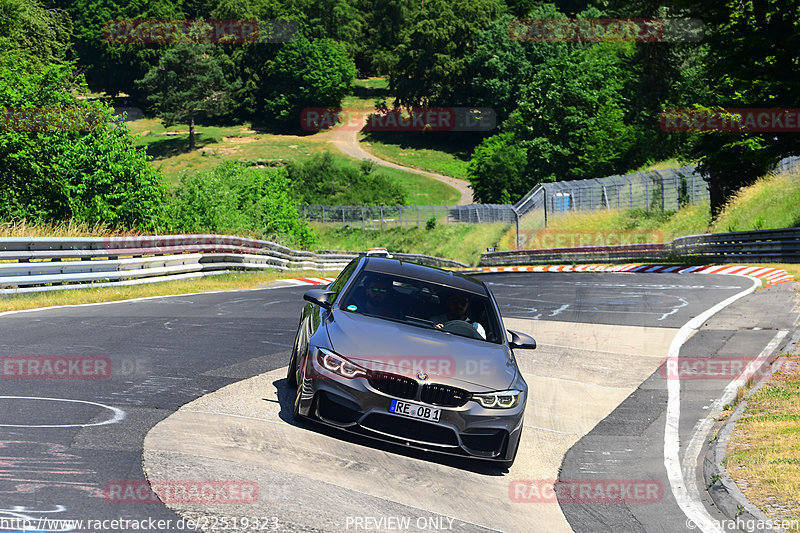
(426, 260)
(762, 246)
(32, 264)
(580, 254)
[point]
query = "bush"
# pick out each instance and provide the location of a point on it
(496, 170)
(235, 199)
(84, 172)
(330, 181)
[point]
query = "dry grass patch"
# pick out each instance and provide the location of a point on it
(63, 229)
(223, 282)
(763, 455)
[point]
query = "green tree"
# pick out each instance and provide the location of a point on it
(383, 27)
(316, 73)
(572, 116)
(339, 20)
(498, 69)
(108, 66)
(751, 62)
(81, 170)
(432, 64)
(27, 28)
(187, 83)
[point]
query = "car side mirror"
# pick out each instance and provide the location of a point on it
(520, 340)
(319, 297)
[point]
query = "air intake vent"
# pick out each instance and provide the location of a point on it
(443, 395)
(393, 385)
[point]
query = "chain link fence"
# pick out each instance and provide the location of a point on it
(383, 216)
(375, 216)
(668, 189)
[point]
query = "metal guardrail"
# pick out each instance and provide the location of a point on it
(36, 264)
(579, 254)
(427, 260)
(762, 246)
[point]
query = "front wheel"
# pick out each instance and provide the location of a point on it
(291, 373)
(296, 408)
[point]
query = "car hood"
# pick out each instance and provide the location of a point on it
(388, 346)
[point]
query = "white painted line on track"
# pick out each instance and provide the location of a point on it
(729, 394)
(687, 496)
(119, 414)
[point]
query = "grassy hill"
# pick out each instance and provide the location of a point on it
(169, 148)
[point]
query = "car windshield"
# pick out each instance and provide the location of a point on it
(423, 304)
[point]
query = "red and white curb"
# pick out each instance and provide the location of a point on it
(309, 281)
(773, 276)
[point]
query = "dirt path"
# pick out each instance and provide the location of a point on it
(346, 140)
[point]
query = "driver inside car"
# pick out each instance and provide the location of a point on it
(456, 307)
(380, 299)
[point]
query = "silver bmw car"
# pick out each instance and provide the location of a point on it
(412, 355)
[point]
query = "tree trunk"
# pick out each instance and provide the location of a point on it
(191, 134)
(716, 192)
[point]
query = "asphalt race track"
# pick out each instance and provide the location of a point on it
(199, 380)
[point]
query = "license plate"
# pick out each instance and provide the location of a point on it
(413, 410)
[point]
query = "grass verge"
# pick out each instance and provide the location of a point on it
(422, 151)
(222, 282)
(763, 455)
(169, 148)
(462, 242)
(24, 228)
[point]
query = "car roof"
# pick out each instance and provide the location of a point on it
(425, 273)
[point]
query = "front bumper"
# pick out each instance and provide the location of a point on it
(356, 406)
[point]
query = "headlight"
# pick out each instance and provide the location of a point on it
(338, 364)
(498, 400)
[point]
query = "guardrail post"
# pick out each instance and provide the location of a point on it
(417, 216)
(362, 218)
(544, 204)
